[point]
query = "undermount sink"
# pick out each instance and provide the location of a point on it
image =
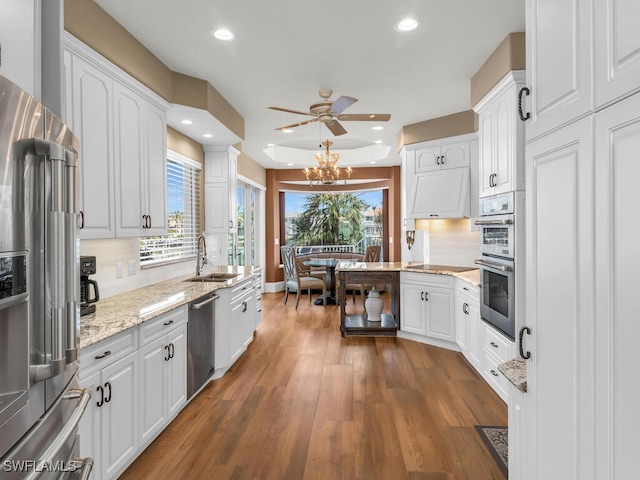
(213, 277)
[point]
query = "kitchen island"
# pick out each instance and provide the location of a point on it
(388, 273)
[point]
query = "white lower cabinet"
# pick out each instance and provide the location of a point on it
(427, 306)
(163, 381)
(468, 323)
(237, 306)
(519, 435)
(109, 430)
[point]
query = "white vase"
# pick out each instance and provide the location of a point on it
(373, 305)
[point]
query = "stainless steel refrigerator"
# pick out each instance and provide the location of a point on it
(40, 399)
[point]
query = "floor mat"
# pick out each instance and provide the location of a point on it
(496, 440)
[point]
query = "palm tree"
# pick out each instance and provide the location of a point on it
(330, 219)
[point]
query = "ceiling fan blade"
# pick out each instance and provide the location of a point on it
(335, 127)
(364, 117)
(299, 124)
(342, 103)
(290, 111)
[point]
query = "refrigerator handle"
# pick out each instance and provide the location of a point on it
(60, 239)
(72, 271)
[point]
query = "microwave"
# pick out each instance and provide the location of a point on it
(497, 226)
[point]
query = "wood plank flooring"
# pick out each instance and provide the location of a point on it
(305, 403)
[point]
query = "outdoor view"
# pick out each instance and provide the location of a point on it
(352, 220)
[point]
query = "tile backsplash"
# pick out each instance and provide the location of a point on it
(448, 242)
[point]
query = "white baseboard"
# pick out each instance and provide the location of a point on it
(274, 287)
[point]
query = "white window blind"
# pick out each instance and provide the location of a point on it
(183, 203)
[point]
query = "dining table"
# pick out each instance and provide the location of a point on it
(329, 265)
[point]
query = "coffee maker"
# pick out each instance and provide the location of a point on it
(87, 302)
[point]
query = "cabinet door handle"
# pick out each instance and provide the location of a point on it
(168, 323)
(526, 355)
(168, 356)
(81, 217)
(230, 223)
(426, 296)
(437, 159)
(108, 399)
(465, 308)
(442, 160)
(494, 373)
(494, 344)
(105, 354)
(148, 221)
(422, 296)
(172, 350)
(523, 91)
(244, 307)
(101, 401)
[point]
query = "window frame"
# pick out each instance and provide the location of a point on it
(196, 193)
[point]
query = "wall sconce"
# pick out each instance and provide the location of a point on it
(411, 236)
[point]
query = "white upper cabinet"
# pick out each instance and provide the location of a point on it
(559, 63)
(220, 189)
(501, 132)
(90, 115)
(20, 38)
(121, 126)
(617, 43)
(438, 177)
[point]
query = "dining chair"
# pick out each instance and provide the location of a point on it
(296, 280)
(371, 254)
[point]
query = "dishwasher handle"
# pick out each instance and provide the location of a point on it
(197, 306)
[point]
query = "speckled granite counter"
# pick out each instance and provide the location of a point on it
(472, 275)
(516, 372)
(120, 312)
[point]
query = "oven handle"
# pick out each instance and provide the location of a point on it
(504, 221)
(503, 268)
(86, 465)
(68, 429)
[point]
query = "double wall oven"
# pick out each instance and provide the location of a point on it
(499, 223)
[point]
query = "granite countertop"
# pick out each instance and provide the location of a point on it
(127, 310)
(471, 276)
(516, 372)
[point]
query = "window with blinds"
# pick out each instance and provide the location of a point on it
(183, 204)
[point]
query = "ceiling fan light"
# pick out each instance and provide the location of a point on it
(222, 34)
(406, 25)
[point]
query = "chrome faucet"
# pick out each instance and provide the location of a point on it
(201, 256)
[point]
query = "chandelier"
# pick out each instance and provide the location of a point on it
(327, 172)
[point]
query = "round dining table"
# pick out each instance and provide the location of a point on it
(329, 265)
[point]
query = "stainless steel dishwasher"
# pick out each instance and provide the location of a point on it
(201, 341)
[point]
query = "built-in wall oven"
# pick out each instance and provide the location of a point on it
(497, 263)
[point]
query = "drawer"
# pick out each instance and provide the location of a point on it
(467, 288)
(158, 326)
(427, 279)
(493, 376)
(499, 345)
(239, 292)
(104, 353)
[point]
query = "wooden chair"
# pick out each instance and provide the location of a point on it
(296, 280)
(371, 254)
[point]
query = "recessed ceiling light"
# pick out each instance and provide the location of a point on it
(269, 144)
(406, 25)
(372, 162)
(287, 130)
(222, 34)
(377, 127)
(290, 164)
(186, 122)
(378, 142)
(207, 135)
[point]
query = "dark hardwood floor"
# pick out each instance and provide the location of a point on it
(305, 403)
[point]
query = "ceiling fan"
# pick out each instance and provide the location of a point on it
(330, 111)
